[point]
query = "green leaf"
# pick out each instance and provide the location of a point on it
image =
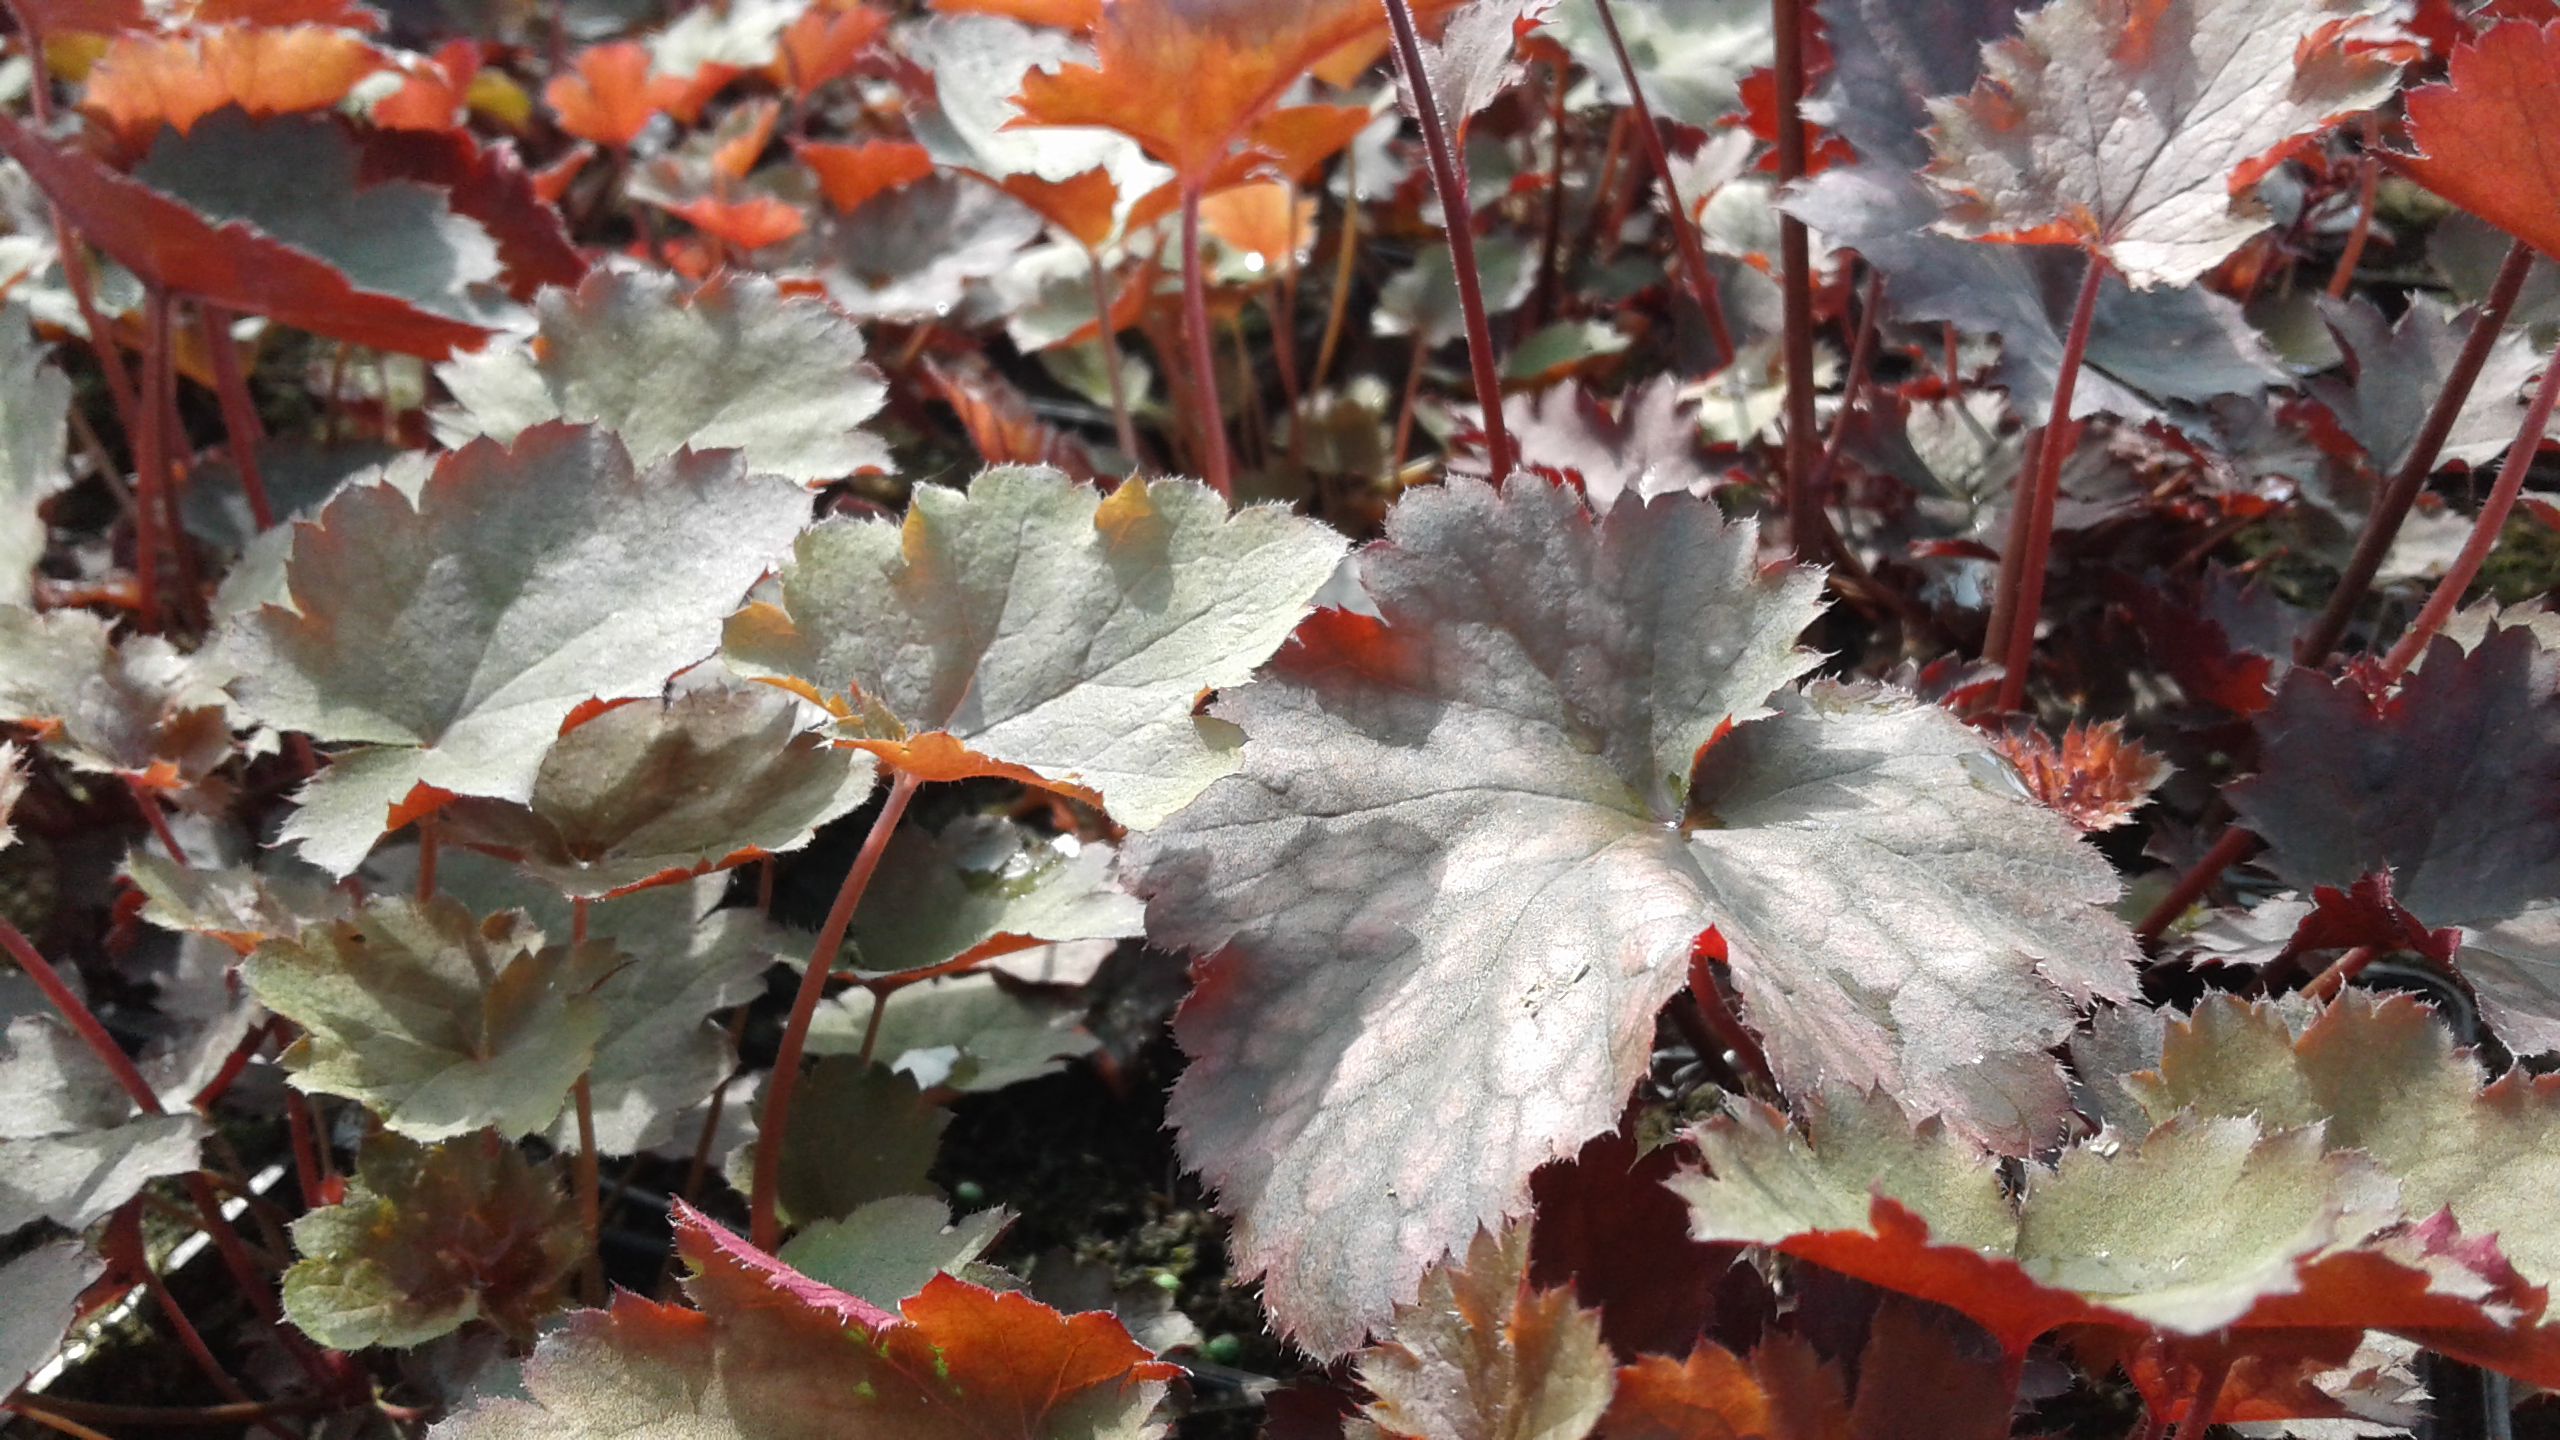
(1449, 893)
(454, 634)
(137, 708)
(1480, 1355)
(1055, 635)
(856, 1134)
(72, 1147)
(647, 791)
(686, 959)
(43, 1285)
(734, 365)
(2384, 1078)
(35, 399)
(439, 1022)
(1690, 55)
(430, 1238)
(888, 1249)
(981, 879)
(241, 905)
(968, 1032)
(294, 178)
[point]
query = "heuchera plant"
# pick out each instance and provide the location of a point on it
(1840, 741)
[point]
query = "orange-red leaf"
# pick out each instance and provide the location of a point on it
(1083, 204)
(1000, 422)
(1710, 1396)
(231, 265)
(749, 129)
(1266, 219)
(99, 17)
(749, 224)
(823, 44)
(1065, 14)
(609, 94)
(146, 81)
(433, 95)
(851, 174)
(346, 14)
(1186, 80)
(2484, 134)
(2093, 775)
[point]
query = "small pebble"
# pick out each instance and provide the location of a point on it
(1224, 1349)
(969, 1193)
(1167, 1280)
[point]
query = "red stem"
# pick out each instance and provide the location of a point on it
(1212, 420)
(2234, 847)
(83, 1022)
(1684, 229)
(2018, 646)
(240, 425)
(2370, 181)
(2391, 507)
(2346, 968)
(309, 1174)
(764, 1227)
(151, 455)
(159, 823)
(1123, 427)
(427, 848)
(2208, 1398)
(1806, 522)
(1457, 217)
(128, 1238)
(2484, 528)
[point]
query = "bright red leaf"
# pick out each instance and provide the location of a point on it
(2483, 135)
(851, 174)
(749, 224)
(823, 44)
(1065, 14)
(147, 81)
(433, 95)
(609, 94)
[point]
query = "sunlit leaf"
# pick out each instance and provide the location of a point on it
(649, 791)
(962, 1032)
(1035, 628)
(2399, 369)
(439, 1022)
(147, 81)
(608, 95)
(238, 905)
(452, 635)
(1644, 445)
(430, 1238)
(890, 1248)
(140, 708)
(767, 1355)
(1453, 872)
(1691, 55)
(2476, 132)
(983, 886)
(2140, 127)
(1480, 1355)
(851, 174)
(2093, 776)
(736, 365)
(72, 1145)
(911, 253)
(13, 784)
(35, 402)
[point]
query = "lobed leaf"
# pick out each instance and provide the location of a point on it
(892, 1248)
(440, 1022)
(2399, 369)
(72, 1147)
(1480, 1355)
(43, 1284)
(1450, 889)
(967, 1032)
(2140, 127)
(140, 708)
(647, 792)
(452, 634)
(2477, 132)
(146, 81)
(982, 887)
(767, 1356)
(430, 1238)
(857, 1133)
(1036, 629)
(734, 365)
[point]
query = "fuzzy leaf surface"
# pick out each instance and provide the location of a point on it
(891, 1248)
(454, 634)
(439, 1022)
(430, 1238)
(42, 1285)
(2400, 368)
(2383, 1076)
(647, 791)
(735, 365)
(138, 708)
(857, 1134)
(984, 886)
(72, 1147)
(2138, 127)
(35, 402)
(145, 81)
(1034, 628)
(1480, 1355)
(774, 1355)
(967, 1032)
(1452, 875)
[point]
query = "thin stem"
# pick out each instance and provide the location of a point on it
(159, 823)
(2391, 507)
(1404, 408)
(427, 847)
(1684, 229)
(1125, 427)
(310, 1173)
(61, 1424)
(2370, 181)
(1345, 251)
(1818, 477)
(127, 1226)
(240, 424)
(764, 1228)
(1212, 419)
(2234, 847)
(93, 1412)
(1542, 298)
(871, 1030)
(2208, 1398)
(589, 1180)
(2004, 584)
(82, 1020)
(2019, 645)
(1805, 521)
(2485, 528)
(2345, 968)
(151, 455)
(1457, 218)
